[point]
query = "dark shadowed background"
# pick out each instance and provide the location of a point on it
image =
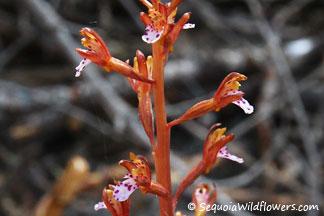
(47, 115)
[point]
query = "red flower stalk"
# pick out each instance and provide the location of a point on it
(214, 147)
(139, 176)
(161, 32)
(99, 54)
(114, 207)
(201, 196)
(144, 90)
(226, 93)
(160, 21)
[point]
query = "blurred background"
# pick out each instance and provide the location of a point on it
(47, 116)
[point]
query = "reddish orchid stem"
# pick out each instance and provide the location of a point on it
(162, 152)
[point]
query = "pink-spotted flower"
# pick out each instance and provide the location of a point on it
(201, 195)
(228, 92)
(114, 207)
(159, 21)
(139, 176)
(215, 147)
(99, 54)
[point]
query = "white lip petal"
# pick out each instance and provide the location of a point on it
(123, 190)
(84, 62)
(223, 152)
(189, 26)
(152, 35)
(100, 205)
(245, 105)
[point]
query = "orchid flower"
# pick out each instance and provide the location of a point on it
(214, 147)
(99, 54)
(226, 93)
(114, 207)
(139, 176)
(201, 195)
(160, 21)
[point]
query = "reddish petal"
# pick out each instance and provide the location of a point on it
(125, 70)
(142, 167)
(174, 4)
(229, 84)
(211, 156)
(128, 165)
(146, 114)
(163, 10)
(112, 205)
(174, 33)
(93, 38)
(145, 19)
(125, 206)
(146, 3)
(156, 189)
(142, 68)
(92, 55)
(212, 138)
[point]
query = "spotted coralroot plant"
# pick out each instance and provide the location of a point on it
(146, 77)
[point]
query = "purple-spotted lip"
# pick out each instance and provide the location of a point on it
(244, 105)
(223, 152)
(84, 62)
(152, 35)
(123, 190)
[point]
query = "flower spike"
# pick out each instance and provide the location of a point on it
(139, 176)
(99, 54)
(226, 93)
